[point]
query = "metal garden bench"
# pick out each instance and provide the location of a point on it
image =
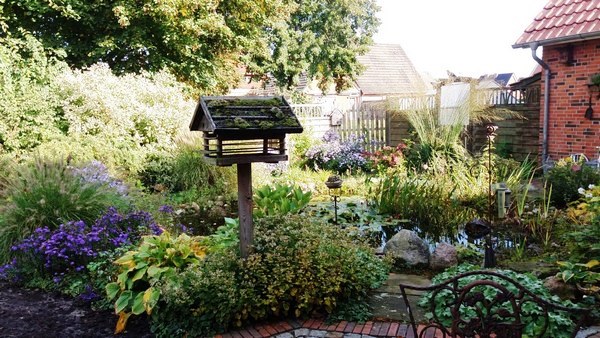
(484, 307)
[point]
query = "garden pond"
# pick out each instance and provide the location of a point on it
(354, 212)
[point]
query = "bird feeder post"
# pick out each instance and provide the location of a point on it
(245, 205)
(241, 131)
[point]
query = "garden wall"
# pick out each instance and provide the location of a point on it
(569, 131)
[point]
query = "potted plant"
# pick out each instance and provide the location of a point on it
(595, 79)
(333, 182)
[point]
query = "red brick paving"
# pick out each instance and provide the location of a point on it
(341, 326)
(373, 328)
(368, 327)
(358, 328)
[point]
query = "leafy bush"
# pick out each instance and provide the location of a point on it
(566, 178)
(299, 144)
(298, 267)
(29, 97)
(336, 155)
(279, 200)
(582, 240)
(49, 194)
(184, 170)
(559, 325)
(86, 114)
(121, 119)
(157, 257)
(386, 158)
(204, 300)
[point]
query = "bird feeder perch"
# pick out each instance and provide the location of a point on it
(242, 130)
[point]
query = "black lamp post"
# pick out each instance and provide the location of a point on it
(334, 184)
(489, 260)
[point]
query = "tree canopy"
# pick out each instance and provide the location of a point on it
(204, 43)
(322, 38)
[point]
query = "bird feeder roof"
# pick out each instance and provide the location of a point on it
(245, 116)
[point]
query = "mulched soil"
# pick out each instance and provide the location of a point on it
(37, 314)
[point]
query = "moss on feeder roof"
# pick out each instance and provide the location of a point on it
(226, 113)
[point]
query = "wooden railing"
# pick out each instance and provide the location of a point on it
(492, 97)
(504, 97)
(308, 110)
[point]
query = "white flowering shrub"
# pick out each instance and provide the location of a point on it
(48, 110)
(120, 119)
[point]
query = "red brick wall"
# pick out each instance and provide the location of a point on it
(568, 131)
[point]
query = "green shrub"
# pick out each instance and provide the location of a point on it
(86, 114)
(298, 267)
(301, 267)
(205, 300)
(49, 194)
(185, 170)
(559, 325)
(29, 97)
(566, 178)
(582, 239)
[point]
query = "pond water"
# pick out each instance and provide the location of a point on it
(355, 213)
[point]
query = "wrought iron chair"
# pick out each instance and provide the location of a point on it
(484, 308)
(579, 158)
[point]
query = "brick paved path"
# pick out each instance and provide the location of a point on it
(317, 328)
(314, 328)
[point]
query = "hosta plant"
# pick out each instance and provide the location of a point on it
(279, 200)
(157, 258)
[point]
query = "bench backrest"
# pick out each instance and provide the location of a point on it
(489, 304)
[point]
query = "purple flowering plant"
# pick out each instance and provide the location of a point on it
(96, 172)
(67, 250)
(337, 155)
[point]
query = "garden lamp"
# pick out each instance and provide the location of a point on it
(334, 184)
(489, 260)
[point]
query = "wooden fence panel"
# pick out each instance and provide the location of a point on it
(370, 123)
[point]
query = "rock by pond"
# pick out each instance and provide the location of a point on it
(444, 256)
(408, 248)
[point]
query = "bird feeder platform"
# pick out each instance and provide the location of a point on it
(244, 129)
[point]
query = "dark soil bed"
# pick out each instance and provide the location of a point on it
(32, 313)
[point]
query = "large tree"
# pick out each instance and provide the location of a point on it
(322, 39)
(203, 42)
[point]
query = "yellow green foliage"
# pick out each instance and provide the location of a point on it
(157, 258)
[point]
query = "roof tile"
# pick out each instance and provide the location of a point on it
(388, 71)
(563, 19)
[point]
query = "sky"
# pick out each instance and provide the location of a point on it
(466, 37)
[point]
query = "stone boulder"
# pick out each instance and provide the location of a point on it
(556, 286)
(408, 248)
(444, 256)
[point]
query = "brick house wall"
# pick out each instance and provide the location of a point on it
(568, 131)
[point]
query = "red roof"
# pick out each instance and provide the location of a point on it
(563, 21)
